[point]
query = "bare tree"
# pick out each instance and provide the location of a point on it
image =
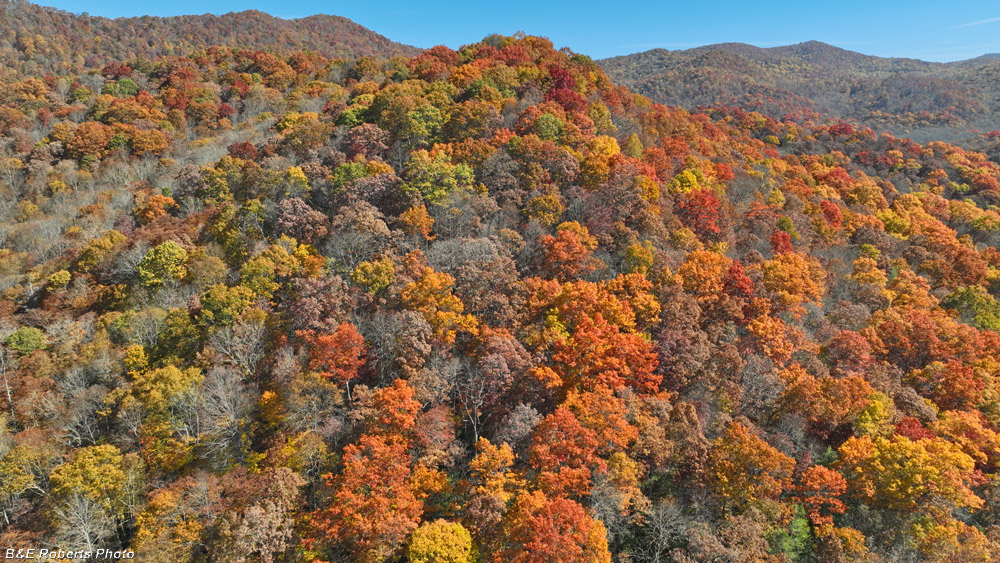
(665, 528)
(243, 344)
(225, 404)
(5, 365)
(81, 523)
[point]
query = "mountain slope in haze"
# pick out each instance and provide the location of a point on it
(814, 80)
(38, 39)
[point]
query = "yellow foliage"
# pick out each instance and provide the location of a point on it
(441, 542)
(901, 474)
(432, 296)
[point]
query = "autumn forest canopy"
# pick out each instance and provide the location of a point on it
(287, 291)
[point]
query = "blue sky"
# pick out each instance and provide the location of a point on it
(929, 30)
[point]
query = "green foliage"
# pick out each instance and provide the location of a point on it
(434, 178)
(633, 146)
(180, 339)
(638, 257)
(785, 224)
(258, 275)
(976, 306)
(795, 542)
(26, 340)
(869, 251)
(422, 125)
(347, 173)
(549, 127)
(601, 117)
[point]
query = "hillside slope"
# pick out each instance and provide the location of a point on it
(485, 305)
(814, 80)
(38, 39)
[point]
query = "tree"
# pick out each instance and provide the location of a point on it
(26, 339)
(699, 211)
(794, 280)
(374, 276)
(163, 264)
(82, 523)
(941, 538)
(97, 249)
(245, 342)
(951, 385)
(703, 274)
(898, 473)
(93, 493)
(421, 125)
(338, 355)
(431, 295)
(848, 352)
(395, 412)
(89, 141)
(158, 389)
(261, 524)
(604, 413)
(568, 254)
(372, 511)
(540, 530)
(781, 242)
(596, 166)
(441, 542)
(493, 483)
(368, 140)
(819, 489)
(565, 455)
(744, 469)
(222, 305)
(599, 353)
(417, 221)
(481, 386)
(824, 400)
(300, 221)
(433, 178)
(633, 146)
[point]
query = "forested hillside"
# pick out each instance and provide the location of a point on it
(37, 40)
(483, 305)
(817, 82)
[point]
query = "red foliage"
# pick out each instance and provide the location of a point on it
(699, 211)
(913, 429)
(781, 242)
(338, 355)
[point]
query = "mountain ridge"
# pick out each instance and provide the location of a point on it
(815, 80)
(52, 40)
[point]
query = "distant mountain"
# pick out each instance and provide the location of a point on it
(37, 39)
(814, 80)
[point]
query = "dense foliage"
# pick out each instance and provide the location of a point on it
(484, 305)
